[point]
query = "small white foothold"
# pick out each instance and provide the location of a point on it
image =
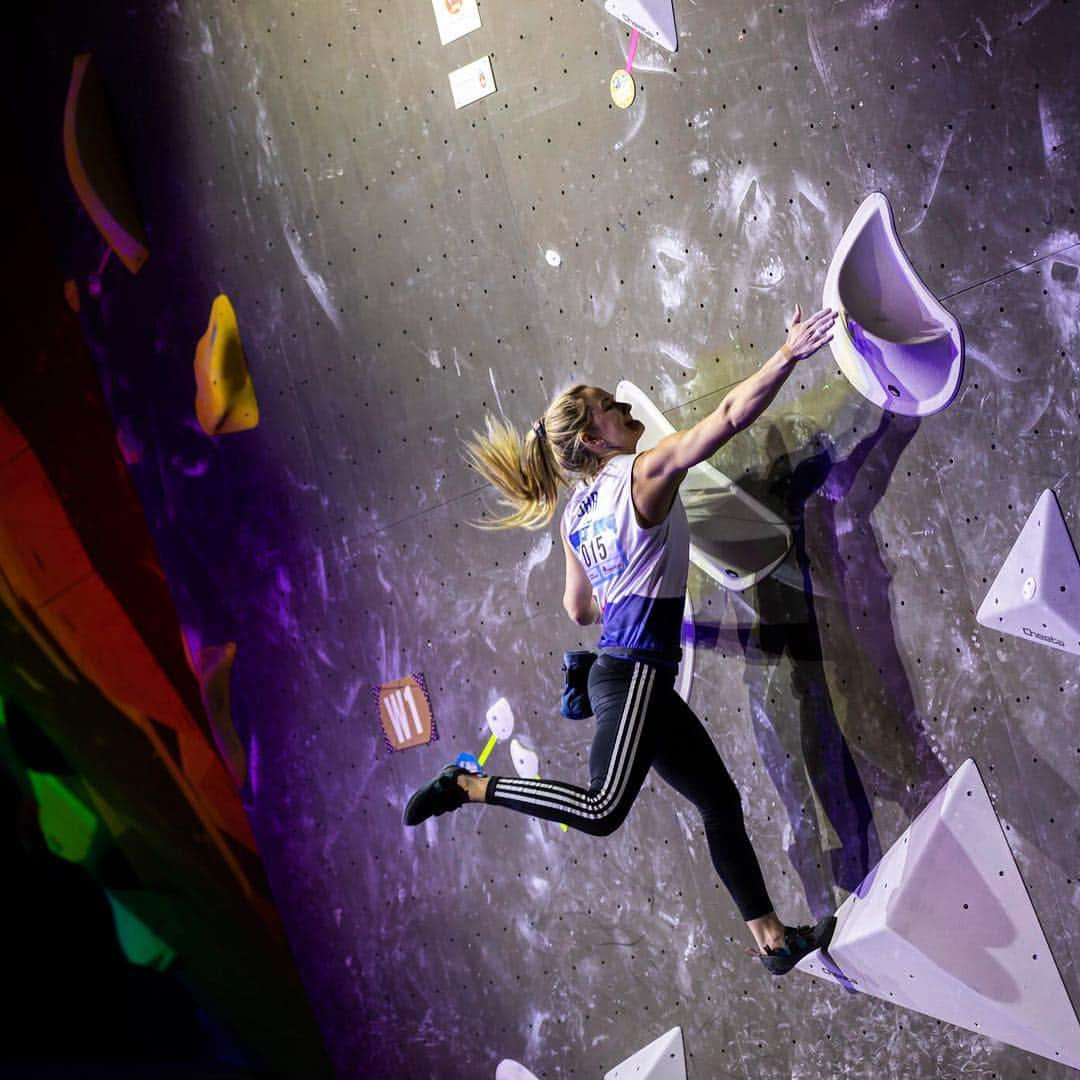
(1030, 588)
(553, 257)
(500, 719)
(526, 760)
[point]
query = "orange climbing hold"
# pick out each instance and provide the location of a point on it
(224, 393)
(93, 163)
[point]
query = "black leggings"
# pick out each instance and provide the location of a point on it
(641, 723)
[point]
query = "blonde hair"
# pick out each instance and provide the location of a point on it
(529, 470)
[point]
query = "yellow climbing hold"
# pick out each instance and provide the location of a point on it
(224, 393)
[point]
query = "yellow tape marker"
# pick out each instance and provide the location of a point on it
(486, 752)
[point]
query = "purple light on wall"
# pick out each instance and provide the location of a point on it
(866, 884)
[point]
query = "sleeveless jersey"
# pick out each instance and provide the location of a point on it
(637, 574)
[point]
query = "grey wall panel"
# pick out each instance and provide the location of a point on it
(386, 256)
(938, 82)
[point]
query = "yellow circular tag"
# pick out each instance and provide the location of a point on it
(622, 88)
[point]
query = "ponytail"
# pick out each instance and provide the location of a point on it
(529, 471)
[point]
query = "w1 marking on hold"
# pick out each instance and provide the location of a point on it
(395, 706)
(405, 712)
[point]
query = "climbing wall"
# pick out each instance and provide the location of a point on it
(399, 268)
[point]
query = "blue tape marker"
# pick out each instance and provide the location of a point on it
(469, 761)
(830, 965)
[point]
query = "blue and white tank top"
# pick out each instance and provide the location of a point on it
(638, 575)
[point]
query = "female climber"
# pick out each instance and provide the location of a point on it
(626, 541)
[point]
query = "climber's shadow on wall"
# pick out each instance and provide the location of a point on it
(844, 583)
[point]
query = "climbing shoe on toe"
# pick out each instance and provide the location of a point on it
(438, 796)
(799, 941)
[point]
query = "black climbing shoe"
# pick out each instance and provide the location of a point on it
(799, 941)
(438, 796)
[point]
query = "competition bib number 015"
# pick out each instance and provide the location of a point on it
(597, 545)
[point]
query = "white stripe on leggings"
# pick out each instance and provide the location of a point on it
(616, 763)
(565, 797)
(559, 796)
(631, 725)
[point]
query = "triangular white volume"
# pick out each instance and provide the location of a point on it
(892, 339)
(653, 18)
(1036, 594)
(735, 539)
(660, 1060)
(944, 925)
(512, 1070)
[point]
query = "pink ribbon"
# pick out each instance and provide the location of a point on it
(634, 35)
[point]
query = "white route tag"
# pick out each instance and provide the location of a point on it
(472, 82)
(456, 18)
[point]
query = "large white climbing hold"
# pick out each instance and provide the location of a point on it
(944, 925)
(735, 539)
(1036, 594)
(662, 1059)
(686, 667)
(893, 339)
